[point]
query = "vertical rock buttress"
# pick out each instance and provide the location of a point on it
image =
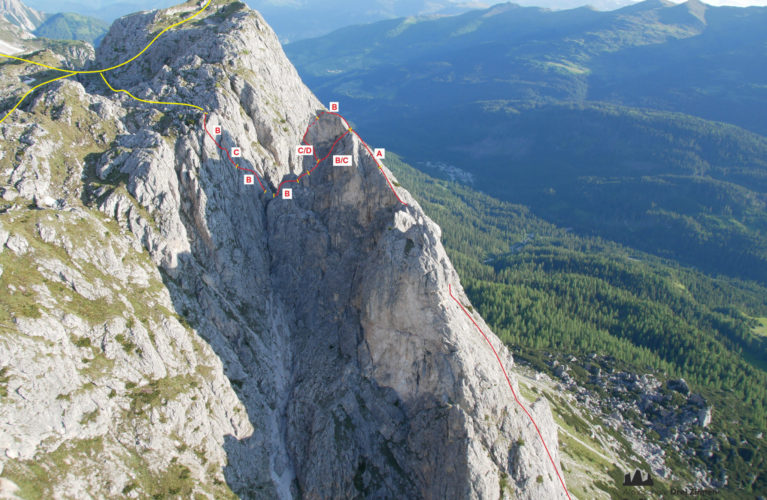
(330, 312)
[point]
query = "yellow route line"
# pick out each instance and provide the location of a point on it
(80, 72)
(32, 90)
(149, 102)
(101, 71)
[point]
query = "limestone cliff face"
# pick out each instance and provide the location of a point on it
(18, 14)
(324, 356)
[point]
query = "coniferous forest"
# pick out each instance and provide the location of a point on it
(544, 289)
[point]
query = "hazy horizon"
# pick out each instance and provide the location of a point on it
(98, 8)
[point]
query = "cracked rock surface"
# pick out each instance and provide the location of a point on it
(173, 331)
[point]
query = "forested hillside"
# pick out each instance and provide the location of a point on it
(692, 58)
(642, 125)
(546, 290)
(667, 183)
(71, 26)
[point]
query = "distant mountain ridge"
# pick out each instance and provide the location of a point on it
(293, 20)
(513, 52)
(71, 26)
(305, 19)
(105, 10)
(644, 125)
(24, 23)
(18, 14)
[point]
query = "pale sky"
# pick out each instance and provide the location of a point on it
(735, 3)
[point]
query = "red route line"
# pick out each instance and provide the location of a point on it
(348, 129)
(380, 168)
(303, 140)
(450, 290)
(205, 126)
(309, 172)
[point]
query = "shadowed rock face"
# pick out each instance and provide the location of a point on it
(329, 313)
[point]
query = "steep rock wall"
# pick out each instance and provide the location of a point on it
(330, 313)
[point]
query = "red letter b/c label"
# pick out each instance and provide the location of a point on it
(342, 160)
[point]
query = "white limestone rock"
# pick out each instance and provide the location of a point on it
(275, 348)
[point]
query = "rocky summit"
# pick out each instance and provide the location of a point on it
(167, 330)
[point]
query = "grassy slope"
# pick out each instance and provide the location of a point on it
(760, 328)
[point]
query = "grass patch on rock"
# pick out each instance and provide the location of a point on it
(37, 478)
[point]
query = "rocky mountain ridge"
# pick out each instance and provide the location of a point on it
(21, 16)
(173, 331)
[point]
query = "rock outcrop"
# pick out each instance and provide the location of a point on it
(186, 324)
